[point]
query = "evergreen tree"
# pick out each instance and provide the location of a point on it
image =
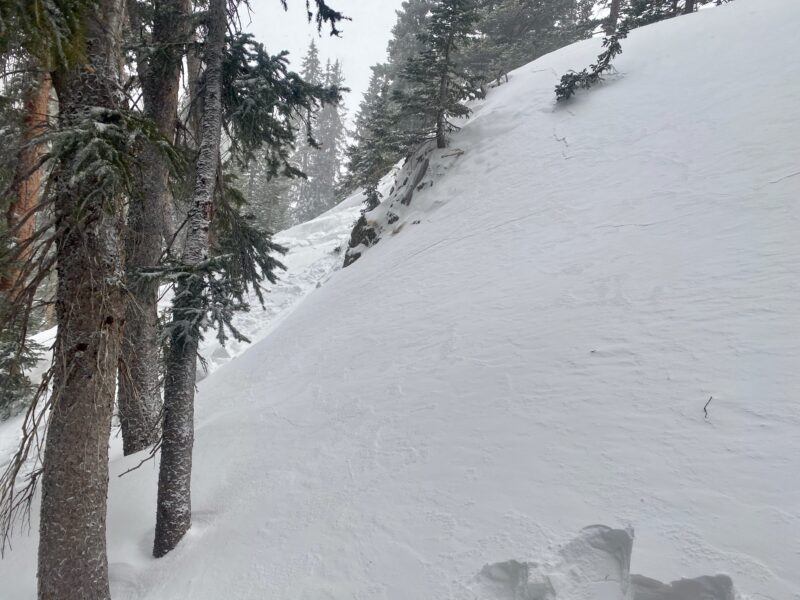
(174, 510)
(159, 48)
(644, 12)
(586, 78)
(374, 147)
(95, 138)
(319, 156)
(331, 133)
(437, 84)
(305, 192)
(406, 41)
(267, 196)
(258, 102)
(515, 32)
(24, 119)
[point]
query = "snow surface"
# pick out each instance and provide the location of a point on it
(533, 357)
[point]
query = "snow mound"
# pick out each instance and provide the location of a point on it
(593, 566)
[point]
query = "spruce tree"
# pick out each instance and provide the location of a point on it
(149, 226)
(644, 12)
(305, 193)
(24, 119)
(438, 84)
(256, 100)
(406, 41)
(331, 134)
(319, 155)
(515, 32)
(267, 195)
(375, 148)
(90, 307)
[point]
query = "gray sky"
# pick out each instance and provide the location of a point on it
(362, 42)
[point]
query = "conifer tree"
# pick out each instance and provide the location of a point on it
(267, 195)
(331, 134)
(93, 140)
(319, 155)
(158, 58)
(375, 147)
(515, 32)
(23, 175)
(437, 84)
(406, 41)
(305, 192)
(257, 101)
(643, 12)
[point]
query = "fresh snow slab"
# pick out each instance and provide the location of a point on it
(532, 357)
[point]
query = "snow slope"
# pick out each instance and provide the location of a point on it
(532, 357)
(314, 253)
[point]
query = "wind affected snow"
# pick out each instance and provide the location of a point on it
(531, 353)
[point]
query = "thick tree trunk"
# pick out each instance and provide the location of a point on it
(688, 7)
(613, 17)
(173, 516)
(148, 222)
(28, 177)
(90, 309)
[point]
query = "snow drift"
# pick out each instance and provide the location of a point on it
(529, 354)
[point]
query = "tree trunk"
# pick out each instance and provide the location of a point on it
(28, 177)
(90, 309)
(688, 7)
(613, 17)
(441, 114)
(139, 398)
(173, 516)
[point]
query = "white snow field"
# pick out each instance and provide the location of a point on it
(533, 357)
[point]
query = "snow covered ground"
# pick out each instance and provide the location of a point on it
(532, 357)
(315, 252)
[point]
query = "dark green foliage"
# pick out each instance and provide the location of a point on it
(515, 32)
(243, 258)
(644, 12)
(331, 132)
(406, 42)
(263, 103)
(375, 148)
(586, 78)
(402, 104)
(321, 162)
(51, 30)
(322, 14)
(271, 116)
(635, 13)
(267, 197)
(16, 389)
(436, 82)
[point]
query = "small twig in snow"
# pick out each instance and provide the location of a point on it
(705, 408)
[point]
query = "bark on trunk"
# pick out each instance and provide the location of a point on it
(148, 222)
(441, 115)
(90, 309)
(688, 7)
(173, 516)
(28, 177)
(613, 18)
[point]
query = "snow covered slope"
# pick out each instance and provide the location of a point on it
(315, 251)
(532, 357)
